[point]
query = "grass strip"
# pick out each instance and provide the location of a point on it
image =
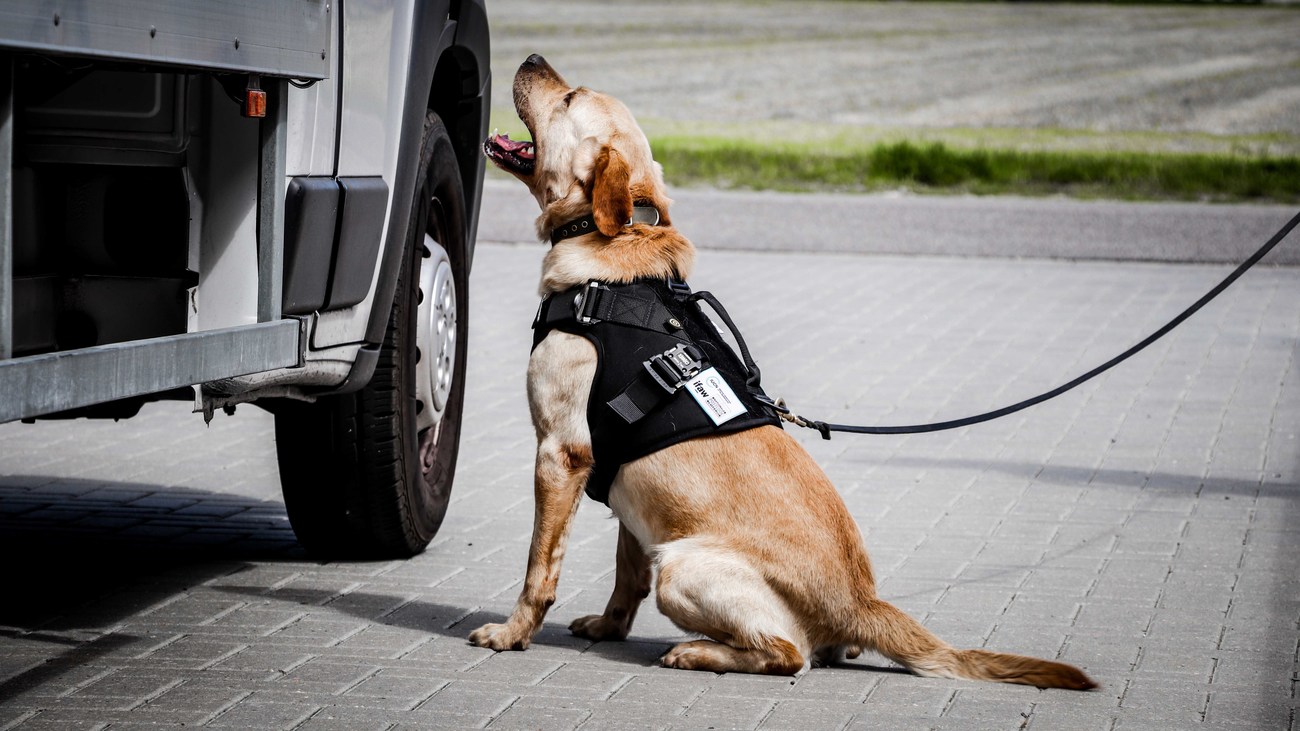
(937, 167)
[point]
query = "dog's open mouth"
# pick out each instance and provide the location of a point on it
(509, 155)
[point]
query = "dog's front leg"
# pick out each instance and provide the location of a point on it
(560, 478)
(631, 585)
(559, 377)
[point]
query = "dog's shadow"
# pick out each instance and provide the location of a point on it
(456, 622)
(642, 651)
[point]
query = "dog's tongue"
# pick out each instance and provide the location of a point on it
(522, 149)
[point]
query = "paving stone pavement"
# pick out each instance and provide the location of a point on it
(1143, 526)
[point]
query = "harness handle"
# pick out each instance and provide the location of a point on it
(752, 368)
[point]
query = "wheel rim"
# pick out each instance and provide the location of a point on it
(436, 335)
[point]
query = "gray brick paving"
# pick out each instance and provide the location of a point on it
(1144, 526)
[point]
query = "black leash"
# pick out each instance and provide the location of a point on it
(826, 428)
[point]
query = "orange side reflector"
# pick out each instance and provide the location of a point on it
(254, 103)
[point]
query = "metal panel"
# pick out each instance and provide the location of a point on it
(6, 207)
(227, 186)
(276, 37)
(373, 70)
(314, 118)
(270, 202)
(46, 384)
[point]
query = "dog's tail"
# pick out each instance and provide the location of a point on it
(895, 635)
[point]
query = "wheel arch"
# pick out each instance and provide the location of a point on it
(448, 74)
(462, 102)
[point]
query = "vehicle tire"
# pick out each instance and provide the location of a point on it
(368, 474)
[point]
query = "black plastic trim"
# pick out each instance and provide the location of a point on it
(362, 203)
(363, 368)
(310, 213)
(473, 110)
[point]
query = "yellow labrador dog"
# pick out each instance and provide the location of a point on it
(752, 546)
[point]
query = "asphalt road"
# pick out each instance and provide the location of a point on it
(1040, 228)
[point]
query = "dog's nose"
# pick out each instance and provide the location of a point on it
(535, 60)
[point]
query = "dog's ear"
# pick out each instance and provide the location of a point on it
(611, 192)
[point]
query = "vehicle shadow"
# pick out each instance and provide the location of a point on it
(77, 541)
(84, 556)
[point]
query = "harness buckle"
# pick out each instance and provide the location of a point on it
(584, 304)
(673, 367)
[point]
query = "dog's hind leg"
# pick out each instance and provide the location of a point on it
(835, 655)
(631, 585)
(710, 589)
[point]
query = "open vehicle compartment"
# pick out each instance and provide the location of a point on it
(267, 201)
(114, 129)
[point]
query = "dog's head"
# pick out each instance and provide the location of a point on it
(587, 155)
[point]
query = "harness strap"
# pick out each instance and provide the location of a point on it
(654, 384)
(597, 302)
(662, 376)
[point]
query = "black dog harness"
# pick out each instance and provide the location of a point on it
(664, 373)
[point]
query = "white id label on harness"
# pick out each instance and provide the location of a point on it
(715, 396)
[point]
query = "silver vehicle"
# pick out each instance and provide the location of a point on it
(251, 200)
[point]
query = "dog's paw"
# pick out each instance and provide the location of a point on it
(686, 656)
(499, 637)
(598, 627)
(835, 655)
